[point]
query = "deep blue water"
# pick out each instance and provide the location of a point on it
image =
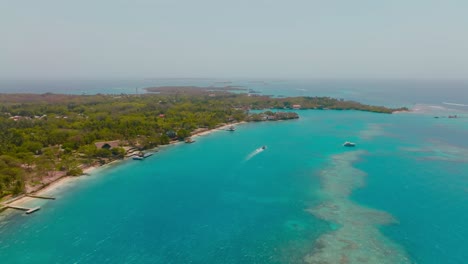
(221, 201)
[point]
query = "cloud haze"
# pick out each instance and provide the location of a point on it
(255, 38)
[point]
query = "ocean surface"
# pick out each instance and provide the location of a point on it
(399, 196)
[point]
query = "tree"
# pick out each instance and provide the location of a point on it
(11, 175)
(88, 152)
(118, 152)
(103, 153)
(171, 134)
(183, 133)
(32, 146)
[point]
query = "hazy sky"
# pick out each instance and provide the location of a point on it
(238, 38)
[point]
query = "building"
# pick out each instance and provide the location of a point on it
(107, 144)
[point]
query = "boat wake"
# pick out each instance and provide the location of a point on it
(255, 152)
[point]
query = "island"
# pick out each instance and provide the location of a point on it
(45, 137)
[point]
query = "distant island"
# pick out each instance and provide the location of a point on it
(253, 100)
(193, 90)
(45, 137)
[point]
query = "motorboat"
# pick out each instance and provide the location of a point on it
(349, 144)
(142, 156)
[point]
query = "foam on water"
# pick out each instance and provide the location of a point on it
(456, 104)
(438, 109)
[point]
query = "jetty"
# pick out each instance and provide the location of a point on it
(26, 209)
(40, 197)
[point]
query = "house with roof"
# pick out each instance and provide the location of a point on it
(296, 106)
(107, 144)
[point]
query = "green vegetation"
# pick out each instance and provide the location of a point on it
(272, 116)
(46, 136)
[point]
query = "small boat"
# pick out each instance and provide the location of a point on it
(189, 140)
(147, 155)
(142, 156)
(231, 128)
(264, 147)
(349, 144)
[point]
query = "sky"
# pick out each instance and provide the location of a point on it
(105, 39)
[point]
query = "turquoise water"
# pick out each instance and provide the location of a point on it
(221, 201)
(400, 196)
(203, 202)
(421, 178)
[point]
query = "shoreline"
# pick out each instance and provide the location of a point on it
(49, 188)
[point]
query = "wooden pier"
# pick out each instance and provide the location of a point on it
(40, 197)
(26, 209)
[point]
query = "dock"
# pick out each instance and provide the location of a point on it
(26, 209)
(40, 197)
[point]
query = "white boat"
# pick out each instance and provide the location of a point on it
(231, 128)
(142, 156)
(349, 144)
